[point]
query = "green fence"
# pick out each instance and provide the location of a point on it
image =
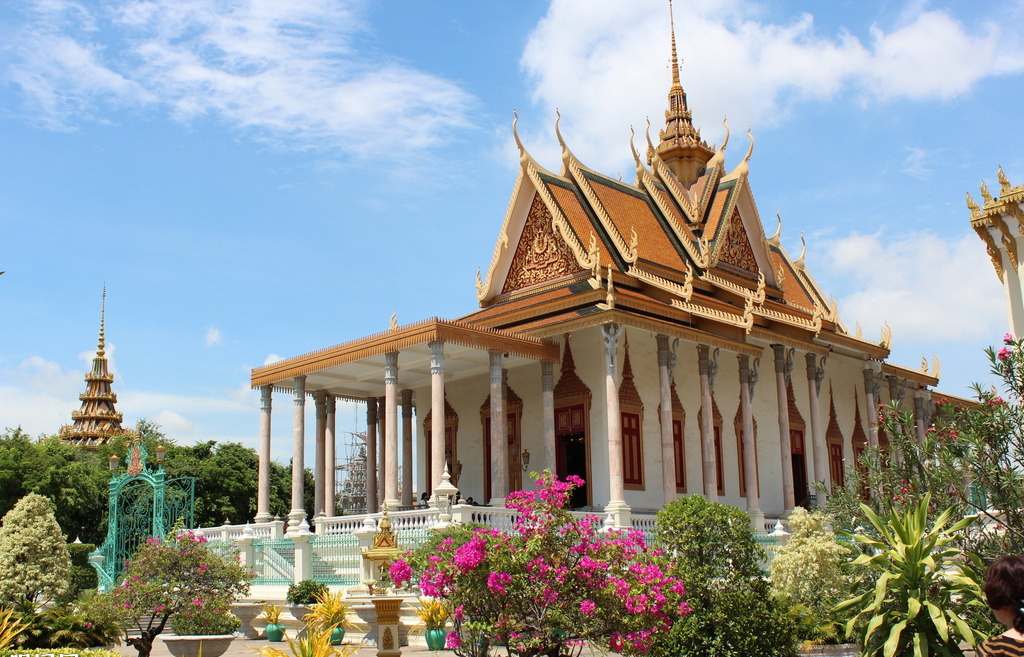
(273, 560)
(336, 559)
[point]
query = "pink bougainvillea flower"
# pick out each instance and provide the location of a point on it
(401, 572)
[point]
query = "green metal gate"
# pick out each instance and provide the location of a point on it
(143, 504)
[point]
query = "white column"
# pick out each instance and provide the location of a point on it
(436, 415)
(815, 375)
(616, 490)
(391, 429)
(371, 455)
(783, 368)
(407, 498)
(707, 367)
(872, 388)
(298, 513)
(330, 450)
(382, 428)
(263, 474)
(748, 379)
(547, 396)
(320, 441)
(666, 363)
(499, 440)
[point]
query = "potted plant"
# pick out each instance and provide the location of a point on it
(434, 615)
(178, 573)
(313, 644)
(301, 595)
(330, 613)
(272, 614)
(202, 631)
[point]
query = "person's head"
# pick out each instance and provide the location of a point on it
(424, 496)
(1004, 590)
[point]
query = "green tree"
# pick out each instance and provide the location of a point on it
(34, 559)
(733, 610)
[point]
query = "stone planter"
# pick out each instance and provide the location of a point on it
(839, 650)
(247, 613)
(299, 612)
(213, 645)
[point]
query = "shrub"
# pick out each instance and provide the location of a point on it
(551, 583)
(72, 624)
(305, 592)
(807, 573)
(732, 609)
(204, 621)
(33, 552)
(83, 575)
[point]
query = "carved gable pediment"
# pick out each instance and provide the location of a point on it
(541, 255)
(735, 249)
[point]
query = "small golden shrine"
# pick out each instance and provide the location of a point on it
(97, 421)
(384, 550)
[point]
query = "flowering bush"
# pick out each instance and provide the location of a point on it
(551, 583)
(204, 621)
(178, 574)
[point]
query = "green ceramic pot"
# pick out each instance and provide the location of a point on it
(275, 632)
(337, 635)
(435, 639)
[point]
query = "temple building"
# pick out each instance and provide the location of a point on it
(650, 337)
(97, 421)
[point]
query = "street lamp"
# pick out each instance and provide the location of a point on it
(525, 458)
(444, 494)
(113, 463)
(161, 452)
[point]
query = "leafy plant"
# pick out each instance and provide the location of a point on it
(305, 592)
(316, 643)
(329, 612)
(433, 613)
(925, 585)
(10, 627)
(732, 609)
(272, 613)
(204, 621)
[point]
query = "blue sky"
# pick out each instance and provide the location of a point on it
(257, 179)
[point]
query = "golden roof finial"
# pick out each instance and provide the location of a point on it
(103, 312)
(972, 204)
(985, 194)
(1004, 182)
(675, 60)
(393, 321)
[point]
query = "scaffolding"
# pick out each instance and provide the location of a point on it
(351, 486)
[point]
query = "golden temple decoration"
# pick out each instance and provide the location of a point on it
(393, 321)
(936, 365)
(972, 205)
(985, 194)
(775, 240)
(736, 249)
(540, 256)
(135, 465)
(860, 332)
(743, 168)
(1004, 182)
(799, 262)
(684, 291)
(886, 340)
(97, 420)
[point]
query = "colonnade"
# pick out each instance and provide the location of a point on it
(384, 447)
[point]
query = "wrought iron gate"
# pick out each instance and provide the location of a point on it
(143, 504)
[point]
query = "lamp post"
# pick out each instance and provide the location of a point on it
(444, 494)
(525, 458)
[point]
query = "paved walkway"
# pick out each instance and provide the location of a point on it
(248, 648)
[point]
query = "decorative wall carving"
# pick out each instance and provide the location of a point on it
(736, 250)
(540, 255)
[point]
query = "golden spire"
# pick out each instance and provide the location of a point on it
(681, 147)
(103, 312)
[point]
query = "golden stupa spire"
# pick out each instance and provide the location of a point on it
(681, 147)
(103, 313)
(97, 421)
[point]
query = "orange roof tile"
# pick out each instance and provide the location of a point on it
(578, 218)
(793, 291)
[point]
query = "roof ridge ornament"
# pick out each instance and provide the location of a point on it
(799, 262)
(719, 157)
(742, 169)
(775, 240)
(1004, 182)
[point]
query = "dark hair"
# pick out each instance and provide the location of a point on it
(1004, 587)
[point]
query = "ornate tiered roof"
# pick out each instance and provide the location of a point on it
(97, 421)
(682, 251)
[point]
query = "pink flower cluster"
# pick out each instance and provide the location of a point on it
(573, 581)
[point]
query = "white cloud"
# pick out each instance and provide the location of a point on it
(284, 71)
(272, 358)
(919, 163)
(604, 66)
(213, 337)
(929, 289)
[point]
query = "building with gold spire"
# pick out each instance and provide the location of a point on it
(650, 338)
(999, 222)
(97, 421)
